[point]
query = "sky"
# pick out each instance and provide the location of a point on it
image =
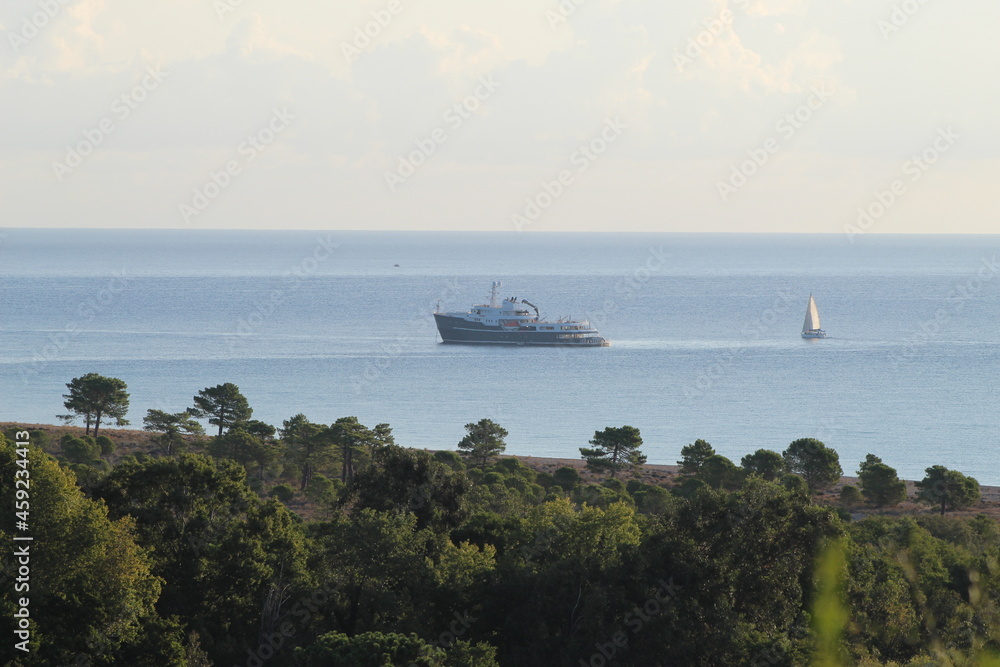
(825, 116)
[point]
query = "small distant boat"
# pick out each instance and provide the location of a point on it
(811, 327)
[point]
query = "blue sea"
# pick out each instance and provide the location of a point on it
(704, 329)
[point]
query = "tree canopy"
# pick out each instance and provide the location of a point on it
(171, 426)
(155, 557)
(693, 456)
(765, 464)
(232, 563)
(614, 449)
(91, 586)
(95, 397)
(720, 473)
(818, 464)
(223, 404)
(484, 440)
(880, 485)
(308, 445)
(354, 441)
(948, 489)
(407, 480)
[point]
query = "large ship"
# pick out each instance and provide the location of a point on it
(509, 322)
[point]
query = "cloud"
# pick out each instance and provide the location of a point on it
(555, 89)
(770, 7)
(729, 63)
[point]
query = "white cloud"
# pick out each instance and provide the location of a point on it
(556, 87)
(771, 7)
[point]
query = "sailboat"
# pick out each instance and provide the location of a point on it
(810, 329)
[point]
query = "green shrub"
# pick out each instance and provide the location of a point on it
(321, 489)
(688, 487)
(600, 496)
(80, 450)
(283, 492)
(492, 478)
(511, 467)
(651, 499)
(87, 476)
(850, 495)
(371, 649)
(719, 472)
(535, 492)
(516, 483)
(451, 459)
(106, 444)
(795, 484)
(566, 477)
(614, 484)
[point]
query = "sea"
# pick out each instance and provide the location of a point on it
(705, 332)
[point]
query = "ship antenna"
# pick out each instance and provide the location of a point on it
(493, 293)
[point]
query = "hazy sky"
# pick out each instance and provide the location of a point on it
(707, 115)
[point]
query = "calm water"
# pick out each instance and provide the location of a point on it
(705, 332)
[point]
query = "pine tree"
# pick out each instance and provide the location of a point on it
(484, 441)
(614, 449)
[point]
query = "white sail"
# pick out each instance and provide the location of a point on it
(812, 316)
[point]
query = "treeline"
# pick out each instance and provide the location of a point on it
(458, 559)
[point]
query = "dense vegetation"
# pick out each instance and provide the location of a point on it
(191, 556)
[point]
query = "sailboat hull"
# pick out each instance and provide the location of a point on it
(818, 333)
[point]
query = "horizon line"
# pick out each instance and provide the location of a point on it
(490, 231)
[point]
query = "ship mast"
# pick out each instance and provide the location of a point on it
(494, 292)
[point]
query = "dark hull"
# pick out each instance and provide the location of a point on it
(457, 330)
